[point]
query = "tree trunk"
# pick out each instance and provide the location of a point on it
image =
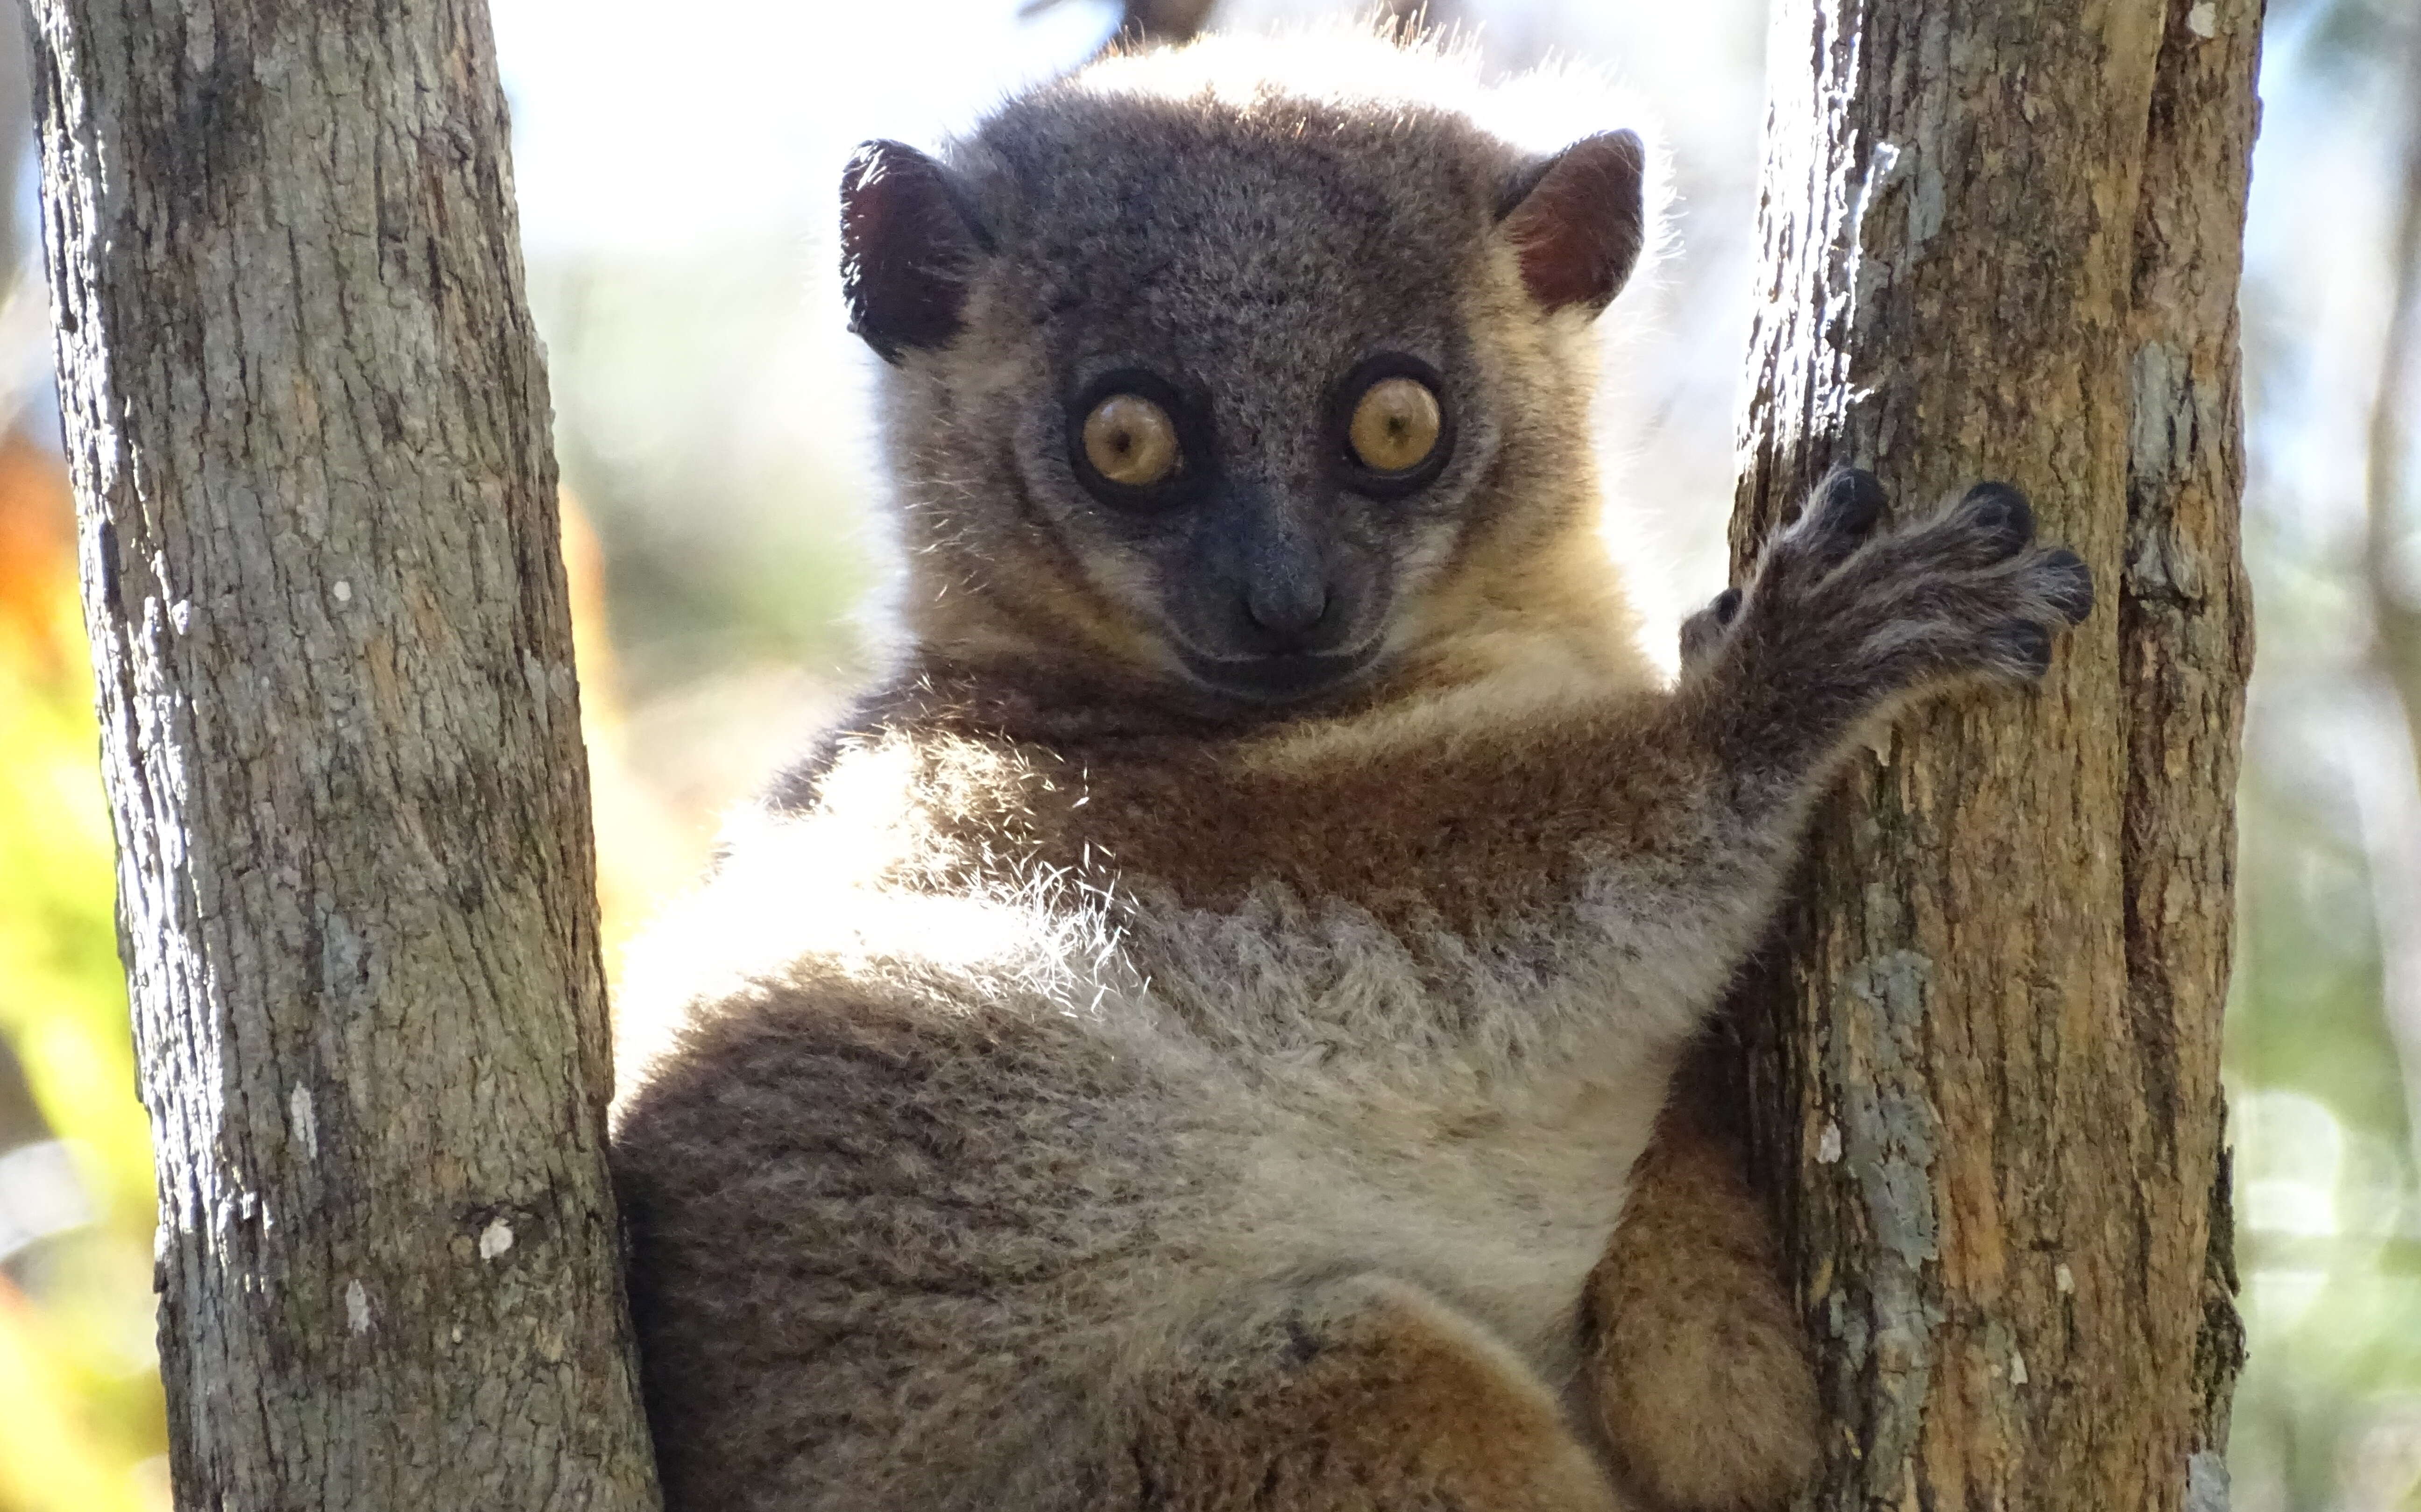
(2396, 603)
(308, 427)
(2002, 239)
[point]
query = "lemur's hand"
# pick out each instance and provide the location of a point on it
(1840, 620)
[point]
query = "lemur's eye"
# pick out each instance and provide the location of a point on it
(1395, 425)
(1130, 441)
(1390, 426)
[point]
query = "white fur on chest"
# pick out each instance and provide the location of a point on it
(1464, 1116)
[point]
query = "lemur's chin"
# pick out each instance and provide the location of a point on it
(1280, 677)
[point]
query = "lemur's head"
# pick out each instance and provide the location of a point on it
(1251, 392)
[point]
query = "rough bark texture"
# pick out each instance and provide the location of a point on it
(2003, 238)
(308, 427)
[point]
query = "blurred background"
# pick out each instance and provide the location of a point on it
(711, 421)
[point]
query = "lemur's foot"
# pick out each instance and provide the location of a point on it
(1841, 619)
(1703, 1374)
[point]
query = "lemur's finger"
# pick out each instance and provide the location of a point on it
(2001, 517)
(2069, 585)
(1840, 516)
(1702, 632)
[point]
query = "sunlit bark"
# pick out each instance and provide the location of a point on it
(2003, 241)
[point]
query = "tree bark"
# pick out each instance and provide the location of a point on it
(308, 427)
(2003, 239)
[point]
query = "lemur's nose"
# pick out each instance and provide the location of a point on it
(1289, 605)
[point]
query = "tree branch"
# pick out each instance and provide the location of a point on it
(2396, 613)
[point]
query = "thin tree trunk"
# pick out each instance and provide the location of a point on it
(309, 429)
(1146, 22)
(2394, 599)
(1151, 23)
(2387, 797)
(2003, 241)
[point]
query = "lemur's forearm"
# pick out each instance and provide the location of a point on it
(1473, 819)
(1463, 827)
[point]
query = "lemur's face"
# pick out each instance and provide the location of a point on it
(1223, 397)
(1255, 466)
(1263, 529)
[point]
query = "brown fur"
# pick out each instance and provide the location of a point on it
(1480, 824)
(1701, 1370)
(1082, 1084)
(1360, 1394)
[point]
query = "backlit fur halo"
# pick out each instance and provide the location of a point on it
(1376, 66)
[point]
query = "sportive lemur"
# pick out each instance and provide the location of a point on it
(1185, 1040)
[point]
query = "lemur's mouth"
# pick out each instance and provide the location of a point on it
(1281, 677)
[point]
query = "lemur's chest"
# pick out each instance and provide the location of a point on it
(1451, 1019)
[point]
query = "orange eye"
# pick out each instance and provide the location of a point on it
(1130, 441)
(1395, 425)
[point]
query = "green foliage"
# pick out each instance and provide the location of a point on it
(82, 1426)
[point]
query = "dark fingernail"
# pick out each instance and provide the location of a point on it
(1999, 508)
(1854, 499)
(2071, 585)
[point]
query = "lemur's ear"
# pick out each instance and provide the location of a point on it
(908, 241)
(1578, 220)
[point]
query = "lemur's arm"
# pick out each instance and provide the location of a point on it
(1672, 814)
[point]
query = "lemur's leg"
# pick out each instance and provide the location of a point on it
(1698, 1361)
(1701, 1365)
(1355, 1393)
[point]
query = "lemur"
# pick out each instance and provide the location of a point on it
(1189, 1037)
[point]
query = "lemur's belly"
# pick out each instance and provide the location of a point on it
(1435, 1107)
(1500, 1210)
